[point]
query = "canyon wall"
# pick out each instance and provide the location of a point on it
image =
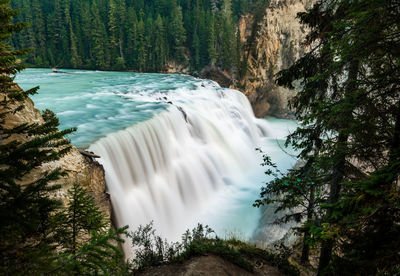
(276, 46)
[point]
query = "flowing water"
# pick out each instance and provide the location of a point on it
(176, 150)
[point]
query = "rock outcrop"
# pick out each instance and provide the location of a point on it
(216, 74)
(211, 265)
(78, 168)
(174, 67)
(277, 45)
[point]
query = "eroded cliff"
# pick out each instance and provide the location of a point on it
(276, 45)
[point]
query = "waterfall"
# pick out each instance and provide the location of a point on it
(173, 167)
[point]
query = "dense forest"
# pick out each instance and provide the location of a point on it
(131, 35)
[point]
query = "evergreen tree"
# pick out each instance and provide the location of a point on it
(141, 49)
(299, 194)
(227, 41)
(116, 23)
(212, 51)
(343, 79)
(196, 51)
(39, 26)
(80, 217)
(159, 44)
(25, 239)
(177, 33)
(99, 46)
(88, 247)
(131, 37)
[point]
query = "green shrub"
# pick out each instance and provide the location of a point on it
(152, 250)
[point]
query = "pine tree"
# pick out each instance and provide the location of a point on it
(370, 205)
(159, 44)
(298, 194)
(24, 210)
(212, 51)
(226, 45)
(116, 22)
(196, 51)
(343, 79)
(38, 23)
(98, 50)
(141, 49)
(178, 33)
(80, 217)
(131, 37)
(88, 246)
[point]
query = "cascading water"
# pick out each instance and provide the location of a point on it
(169, 168)
(176, 150)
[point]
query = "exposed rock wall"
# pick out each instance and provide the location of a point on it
(78, 168)
(277, 46)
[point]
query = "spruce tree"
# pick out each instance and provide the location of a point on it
(196, 51)
(99, 45)
(298, 194)
(212, 41)
(349, 101)
(177, 33)
(80, 217)
(159, 44)
(141, 50)
(25, 208)
(88, 245)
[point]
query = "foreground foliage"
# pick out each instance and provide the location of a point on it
(152, 250)
(349, 108)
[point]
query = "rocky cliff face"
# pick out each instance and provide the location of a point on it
(78, 168)
(277, 46)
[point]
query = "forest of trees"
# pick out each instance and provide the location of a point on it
(131, 35)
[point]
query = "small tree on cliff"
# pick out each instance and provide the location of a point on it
(298, 194)
(88, 245)
(80, 217)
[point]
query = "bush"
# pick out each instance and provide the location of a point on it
(152, 250)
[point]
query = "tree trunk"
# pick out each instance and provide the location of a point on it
(310, 210)
(395, 147)
(121, 52)
(338, 172)
(335, 185)
(305, 253)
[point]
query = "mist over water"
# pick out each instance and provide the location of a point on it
(176, 150)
